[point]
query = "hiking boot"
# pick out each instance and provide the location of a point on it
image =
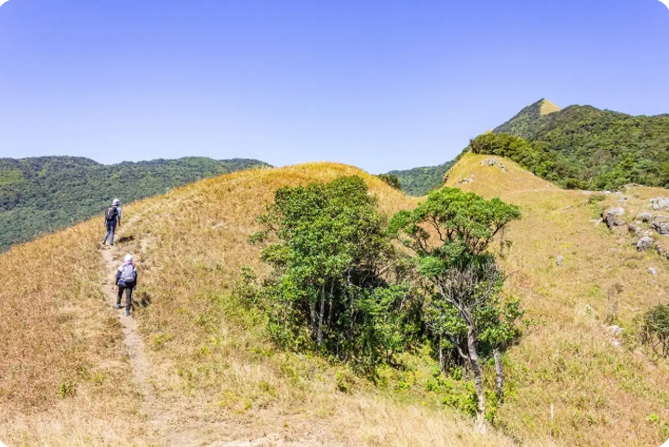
(127, 312)
(118, 306)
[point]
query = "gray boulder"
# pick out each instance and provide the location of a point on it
(645, 243)
(662, 251)
(614, 217)
(660, 203)
(559, 260)
(652, 271)
(645, 216)
(660, 224)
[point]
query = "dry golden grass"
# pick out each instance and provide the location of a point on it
(62, 367)
(215, 370)
(548, 107)
(601, 394)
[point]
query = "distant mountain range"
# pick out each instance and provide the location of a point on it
(576, 147)
(43, 194)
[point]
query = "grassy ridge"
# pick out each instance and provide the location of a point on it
(44, 194)
(212, 361)
(600, 394)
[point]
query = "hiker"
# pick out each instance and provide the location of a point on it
(112, 218)
(126, 280)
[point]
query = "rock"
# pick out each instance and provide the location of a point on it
(616, 343)
(645, 216)
(559, 260)
(614, 217)
(493, 162)
(614, 330)
(660, 224)
(660, 203)
(645, 243)
(652, 271)
(662, 251)
(469, 179)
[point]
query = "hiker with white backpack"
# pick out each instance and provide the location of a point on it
(112, 218)
(126, 280)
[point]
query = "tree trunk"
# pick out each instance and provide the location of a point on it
(478, 378)
(320, 317)
(441, 355)
(313, 318)
(500, 374)
(330, 297)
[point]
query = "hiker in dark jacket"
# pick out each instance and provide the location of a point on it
(126, 280)
(112, 218)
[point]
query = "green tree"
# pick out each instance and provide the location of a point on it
(332, 261)
(391, 180)
(655, 330)
(449, 234)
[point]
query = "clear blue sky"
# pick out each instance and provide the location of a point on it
(378, 84)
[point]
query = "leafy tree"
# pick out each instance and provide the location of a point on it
(655, 330)
(331, 263)
(449, 234)
(391, 180)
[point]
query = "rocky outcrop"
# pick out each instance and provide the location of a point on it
(645, 216)
(493, 162)
(645, 243)
(660, 224)
(614, 217)
(660, 203)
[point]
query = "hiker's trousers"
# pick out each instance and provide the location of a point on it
(111, 229)
(128, 295)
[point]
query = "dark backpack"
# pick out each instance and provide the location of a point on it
(111, 213)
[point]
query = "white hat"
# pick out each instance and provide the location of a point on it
(116, 202)
(128, 258)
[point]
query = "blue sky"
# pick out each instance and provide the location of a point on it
(378, 84)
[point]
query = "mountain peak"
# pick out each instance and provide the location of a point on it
(546, 107)
(521, 122)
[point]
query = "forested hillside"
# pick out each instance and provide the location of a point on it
(578, 147)
(43, 194)
(587, 148)
(419, 181)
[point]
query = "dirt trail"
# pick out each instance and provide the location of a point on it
(164, 427)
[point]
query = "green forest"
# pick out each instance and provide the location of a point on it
(420, 181)
(43, 194)
(581, 147)
(578, 147)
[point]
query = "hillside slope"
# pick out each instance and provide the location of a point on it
(581, 147)
(44, 194)
(590, 148)
(202, 372)
(420, 181)
(524, 122)
(572, 380)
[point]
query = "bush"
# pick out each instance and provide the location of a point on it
(655, 330)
